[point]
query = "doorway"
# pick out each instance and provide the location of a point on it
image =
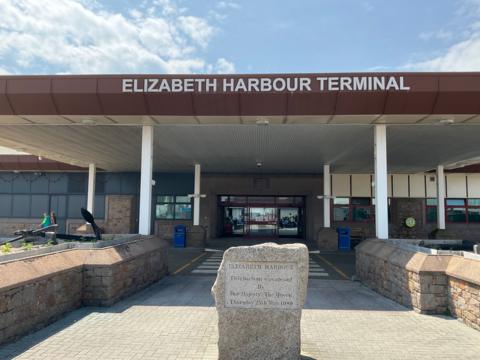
(261, 216)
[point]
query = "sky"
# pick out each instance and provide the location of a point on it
(237, 36)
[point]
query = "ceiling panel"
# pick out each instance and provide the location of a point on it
(283, 148)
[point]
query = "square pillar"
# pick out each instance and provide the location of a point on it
(381, 187)
(196, 196)
(326, 196)
(440, 198)
(145, 216)
(92, 171)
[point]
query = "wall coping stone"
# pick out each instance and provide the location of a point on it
(404, 255)
(18, 272)
(124, 238)
(464, 269)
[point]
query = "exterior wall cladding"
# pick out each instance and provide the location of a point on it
(24, 197)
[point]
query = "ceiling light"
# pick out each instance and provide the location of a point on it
(446, 121)
(262, 121)
(259, 163)
(89, 121)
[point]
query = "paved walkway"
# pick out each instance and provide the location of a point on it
(175, 319)
(209, 264)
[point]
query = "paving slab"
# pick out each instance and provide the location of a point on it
(176, 319)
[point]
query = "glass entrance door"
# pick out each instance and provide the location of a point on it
(288, 222)
(261, 216)
(261, 221)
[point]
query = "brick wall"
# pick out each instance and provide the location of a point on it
(36, 291)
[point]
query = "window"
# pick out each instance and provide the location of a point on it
(353, 209)
(456, 210)
(431, 210)
(473, 210)
(170, 207)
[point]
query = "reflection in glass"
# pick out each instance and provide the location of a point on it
(360, 213)
(340, 213)
(234, 221)
(456, 215)
(474, 215)
(183, 211)
(164, 211)
(288, 222)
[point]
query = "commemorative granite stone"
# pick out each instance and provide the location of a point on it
(259, 294)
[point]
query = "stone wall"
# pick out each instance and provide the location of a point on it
(9, 226)
(464, 301)
(428, 283)
(409, 278)
(36, 291)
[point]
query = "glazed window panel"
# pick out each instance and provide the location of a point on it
(362, 213)
(164, 211)
(183, 211)
(431, 214)
(182, 199)
(456, 214)
(341, 213)
(341, 201)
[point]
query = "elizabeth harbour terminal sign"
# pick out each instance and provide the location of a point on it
(263, 84)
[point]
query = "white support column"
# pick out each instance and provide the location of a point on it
(92, 171)
(326, 196)
(145, 216)
(440, 198)
(196, 198)
(381, 188)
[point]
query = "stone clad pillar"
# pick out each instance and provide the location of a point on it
(440, 198)
(145, 216)
(92, 170)
(381, 185)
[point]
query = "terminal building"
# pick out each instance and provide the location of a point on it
(389, 155)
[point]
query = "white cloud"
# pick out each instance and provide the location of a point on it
(4, 71)
(79, 36)
(223, 66)
(463, 56)
(228, 5)
(436, 35)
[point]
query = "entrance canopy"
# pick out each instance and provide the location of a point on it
(289, 123)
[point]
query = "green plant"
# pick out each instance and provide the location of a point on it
(27, 246)
(6, 248)
(49, 243)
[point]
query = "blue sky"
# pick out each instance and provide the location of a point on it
(242, 36)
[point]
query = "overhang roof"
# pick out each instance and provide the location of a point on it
(33, 163)
(76, 98)
(52, 116)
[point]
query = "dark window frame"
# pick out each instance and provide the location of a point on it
(466, 206)
(174, 204)
(352, 207)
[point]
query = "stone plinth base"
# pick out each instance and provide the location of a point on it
(259, 294)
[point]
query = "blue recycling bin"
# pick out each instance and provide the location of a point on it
(180, 236)
(344, 240)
